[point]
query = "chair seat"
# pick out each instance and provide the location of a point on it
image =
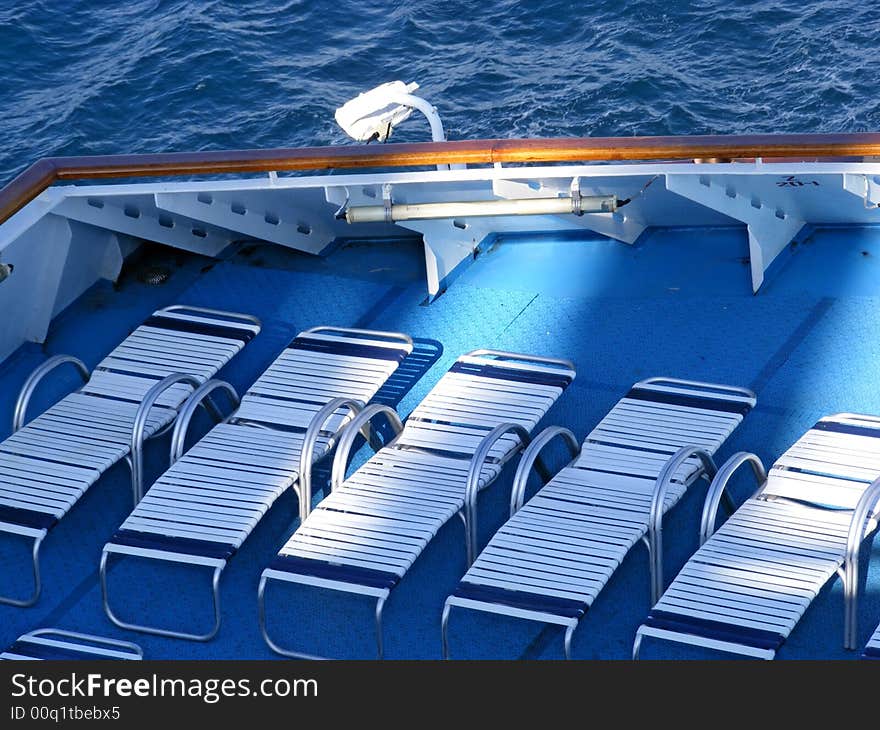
(755, 577)
(566, 542)
(384, 515)
(46, 466)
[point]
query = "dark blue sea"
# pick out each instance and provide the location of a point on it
(100, 76)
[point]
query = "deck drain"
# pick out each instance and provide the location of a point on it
(154, 275)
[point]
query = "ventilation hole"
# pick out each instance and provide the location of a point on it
(730, 191)
(200, 232)
(705, 181)
(238, 208)
(756, 201)
(95, 202)
(271, 219)
(166, 221)
(303, 228)
(131, 211)
(369, 192)
(780, 214)
(460, 224)
(205, 198)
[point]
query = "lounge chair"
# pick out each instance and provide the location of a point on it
(554, 555)
(363, 538)
(132, 395)
(209, 501)
(56, 644)
(750, 582)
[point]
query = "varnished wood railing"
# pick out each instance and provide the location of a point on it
(39, 176)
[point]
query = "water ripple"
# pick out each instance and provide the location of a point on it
(152, 75)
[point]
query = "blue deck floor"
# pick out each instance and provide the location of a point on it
(677, 304)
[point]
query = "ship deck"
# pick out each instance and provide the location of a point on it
(678, 303)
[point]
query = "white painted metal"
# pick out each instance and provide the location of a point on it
(814, 193)
(865, 186)
(300, 221)
(139, 217)
(770, 229)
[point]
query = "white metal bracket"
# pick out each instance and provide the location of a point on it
(770, 228)
(863, 186)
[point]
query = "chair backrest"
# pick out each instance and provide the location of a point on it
(656, 418)
(176, 339)
(482, 390)
(319, 365)
(831, 465)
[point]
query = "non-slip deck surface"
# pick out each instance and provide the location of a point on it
(677, 304)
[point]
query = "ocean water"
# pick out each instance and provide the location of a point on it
(100, 76)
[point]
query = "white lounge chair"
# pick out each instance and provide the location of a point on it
(364, 536)
(554, 555)
(750, 582)
(208, 502)
(59, 645)
(132, 395)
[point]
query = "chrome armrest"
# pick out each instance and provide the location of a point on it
(472, 488)
(533, 453)
(310, 440)
(346, 441)
(655, 517)
(140, 422)
(718, 487)
(199, 397)
(40, 372)
(862, 519)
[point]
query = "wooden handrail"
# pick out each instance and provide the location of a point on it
(39, 176)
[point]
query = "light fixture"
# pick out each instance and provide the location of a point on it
(372, 115)
(390, 212)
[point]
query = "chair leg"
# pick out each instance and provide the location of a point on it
(637, 645)
(380, 605)
(215, 589)
(278, 649)
(38, 586)
(569, 634)
(444, 629)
